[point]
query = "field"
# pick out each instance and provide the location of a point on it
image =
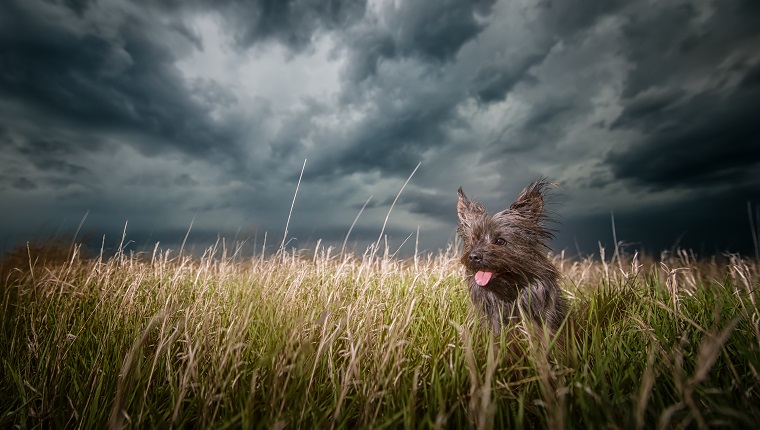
(317, 339)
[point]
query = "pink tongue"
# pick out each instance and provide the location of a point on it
(482, 278)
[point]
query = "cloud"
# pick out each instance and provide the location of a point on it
(699, 130)
(708, 223)
(392, 139)
(23, 183)
(292, 23)
(493, 82)
(431, 31)
(708, 140)
(158, 113)
(120, 78)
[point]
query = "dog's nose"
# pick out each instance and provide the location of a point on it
(476, 257)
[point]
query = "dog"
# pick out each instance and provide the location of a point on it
(505, 257)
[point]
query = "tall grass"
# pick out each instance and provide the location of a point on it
(312, 339)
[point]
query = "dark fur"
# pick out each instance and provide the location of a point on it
(524, 280)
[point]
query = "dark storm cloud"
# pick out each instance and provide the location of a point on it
(156, 112)
(540, 131)
(433, 204)
(492, 83)
(161, 180)
(60, 166)
(23, 183)
(710, 140)
(691, 138)
(709, 224)
(393, 141)
(411, 107)
(121, 79)
(290, 22)
(431, 30)
(51, 156)
(560, 22)
(646, 105)
(566, 18)
(677, 41)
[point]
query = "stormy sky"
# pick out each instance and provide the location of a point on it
(159, 114)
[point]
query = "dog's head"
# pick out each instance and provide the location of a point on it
(511, 244)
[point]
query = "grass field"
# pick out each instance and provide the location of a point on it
(319, 340)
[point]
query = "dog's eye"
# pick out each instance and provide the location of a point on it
(499, 241)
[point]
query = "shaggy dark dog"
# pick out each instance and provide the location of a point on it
(505, 256)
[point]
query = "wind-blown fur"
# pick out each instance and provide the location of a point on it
(505, 256)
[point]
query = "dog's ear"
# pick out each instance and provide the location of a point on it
(530, 202)
(467, 210)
